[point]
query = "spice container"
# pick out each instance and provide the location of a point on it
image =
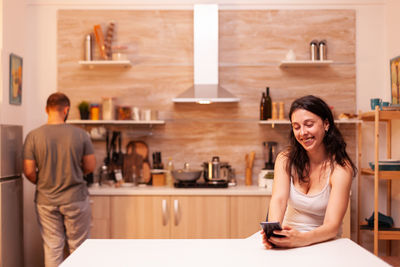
(322, 50)
(281, 111)
(108, 108)
(124, 113)
(274, 114)
(314, 50)
(95, 111)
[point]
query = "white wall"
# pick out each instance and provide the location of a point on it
(12, 40)
(372, 62)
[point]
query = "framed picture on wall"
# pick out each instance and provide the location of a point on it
(15, 79)
(395, 80)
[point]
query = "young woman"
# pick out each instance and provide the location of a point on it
(312, 178)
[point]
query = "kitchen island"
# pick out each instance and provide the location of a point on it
(217, 252)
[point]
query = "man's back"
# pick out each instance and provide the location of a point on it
(58, 150)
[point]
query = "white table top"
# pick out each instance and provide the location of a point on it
(216, 252)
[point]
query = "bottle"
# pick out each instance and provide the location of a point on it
(314, 50)
(322, 50)
(262, 105)
(169, 178)
(268, 106)
(88, 47)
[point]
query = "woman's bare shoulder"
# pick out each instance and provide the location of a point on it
(342, 173)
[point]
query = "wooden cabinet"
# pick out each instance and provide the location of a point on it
(170, 217)
(378, 116)
(200, 217)
(139, 217)
(246, 214)
(195, 216)
(100, 227)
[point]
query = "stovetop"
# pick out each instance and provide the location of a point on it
(219, 184)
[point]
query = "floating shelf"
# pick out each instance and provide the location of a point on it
(305, 63)
(101, 63)
(115, 122)
(347, 121)
(275, 122)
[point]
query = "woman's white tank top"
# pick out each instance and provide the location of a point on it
(307, 212)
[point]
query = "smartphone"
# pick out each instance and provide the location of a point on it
(269, 228)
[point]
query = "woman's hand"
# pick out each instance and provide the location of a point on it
(292, 238)
(267, 244)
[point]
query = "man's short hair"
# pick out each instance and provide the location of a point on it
(58, 100)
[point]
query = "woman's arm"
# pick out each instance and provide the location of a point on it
(280, 190)
(338, 201)
(280, 194)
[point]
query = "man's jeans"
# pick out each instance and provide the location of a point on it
(69, 222)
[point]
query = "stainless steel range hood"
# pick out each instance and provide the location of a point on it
(206, 89)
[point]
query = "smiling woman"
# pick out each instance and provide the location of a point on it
(312, 178)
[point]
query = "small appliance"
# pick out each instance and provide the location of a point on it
(266, 176)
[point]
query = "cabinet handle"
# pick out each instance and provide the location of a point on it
(176, 211)
(164, 212)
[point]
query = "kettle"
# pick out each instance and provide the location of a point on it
(215, 170)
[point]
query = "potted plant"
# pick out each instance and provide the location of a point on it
(84, 110)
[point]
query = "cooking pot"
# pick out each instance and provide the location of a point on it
(216, 170)
(186, 174)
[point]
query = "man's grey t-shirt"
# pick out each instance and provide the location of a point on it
(58, 150)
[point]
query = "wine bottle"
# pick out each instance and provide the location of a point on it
(268, 106)
(262, 106)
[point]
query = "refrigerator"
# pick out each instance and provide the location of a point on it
(11, 229)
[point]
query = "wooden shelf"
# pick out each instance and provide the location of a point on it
(270, 122)
(384, 115)
(102, 63)
(377, 116)
(383, 175)
(348, 121)
(305, 63)
(384, 234)
(114, 122)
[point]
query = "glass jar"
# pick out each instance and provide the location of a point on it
(95, 111)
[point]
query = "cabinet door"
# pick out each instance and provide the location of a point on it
(246, 214)
(200, 217)
(100, 227)
(140, 217)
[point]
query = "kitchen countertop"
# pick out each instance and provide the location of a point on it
(216, 252)
(239, 190)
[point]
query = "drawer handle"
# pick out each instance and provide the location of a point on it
(176, 211)
(164, 212)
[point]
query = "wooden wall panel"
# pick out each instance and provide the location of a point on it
(252, 43)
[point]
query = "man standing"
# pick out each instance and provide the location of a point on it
(56, 157)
